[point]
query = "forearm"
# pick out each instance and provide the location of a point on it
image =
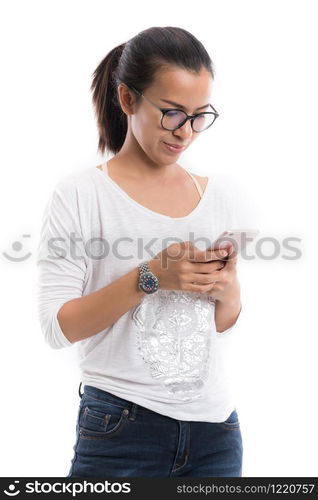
(227, 310)
(83, 317)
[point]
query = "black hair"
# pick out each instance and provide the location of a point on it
(136, 63)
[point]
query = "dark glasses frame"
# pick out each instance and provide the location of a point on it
(188, 117)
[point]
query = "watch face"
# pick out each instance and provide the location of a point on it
(148, 282)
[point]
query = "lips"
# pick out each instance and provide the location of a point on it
(174, 148)
(177, 146)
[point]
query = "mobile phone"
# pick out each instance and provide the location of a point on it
(239, 238)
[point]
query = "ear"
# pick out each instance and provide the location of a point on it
(126, 98)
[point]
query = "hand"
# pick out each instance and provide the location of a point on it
(181, 266)
(226, 286)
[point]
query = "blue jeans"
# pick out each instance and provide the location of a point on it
(118, 438)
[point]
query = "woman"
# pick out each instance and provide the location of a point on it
(154, 400)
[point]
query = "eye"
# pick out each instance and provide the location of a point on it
(174, 112)
(173, 118)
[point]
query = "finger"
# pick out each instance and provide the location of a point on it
(208, 255)
(232, 259)
(213, 287)
(207, 267)
(194, 287)
(204, 283)
(232, 253)
(219, 276)
(204, 279)
(231, 265)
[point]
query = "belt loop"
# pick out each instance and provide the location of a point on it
(79, 390)
(133, 411)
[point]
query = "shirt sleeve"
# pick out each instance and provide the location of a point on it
(61, 261)
(243, 212)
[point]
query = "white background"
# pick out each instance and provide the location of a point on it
(265, 56)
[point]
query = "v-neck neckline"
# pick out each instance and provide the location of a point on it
(125, 195)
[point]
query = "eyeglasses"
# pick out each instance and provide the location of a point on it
(172, 119)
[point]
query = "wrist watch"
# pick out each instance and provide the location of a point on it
(148, 282)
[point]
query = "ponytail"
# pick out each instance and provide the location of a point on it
(111, 121)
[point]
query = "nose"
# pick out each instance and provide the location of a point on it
(185, 131)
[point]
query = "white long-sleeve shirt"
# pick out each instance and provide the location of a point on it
(164, 354)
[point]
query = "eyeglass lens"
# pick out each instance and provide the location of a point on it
(172, 119)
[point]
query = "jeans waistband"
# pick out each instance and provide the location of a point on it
(111, 398)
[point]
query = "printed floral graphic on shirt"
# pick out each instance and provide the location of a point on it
(175, 330)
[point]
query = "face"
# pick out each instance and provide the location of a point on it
(145, 134)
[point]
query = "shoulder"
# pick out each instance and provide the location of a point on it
(76, 186)
(222, 182)
(72, 190)
(75, 179)
(226, 184)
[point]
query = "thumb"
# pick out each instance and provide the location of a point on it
(232, 255)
